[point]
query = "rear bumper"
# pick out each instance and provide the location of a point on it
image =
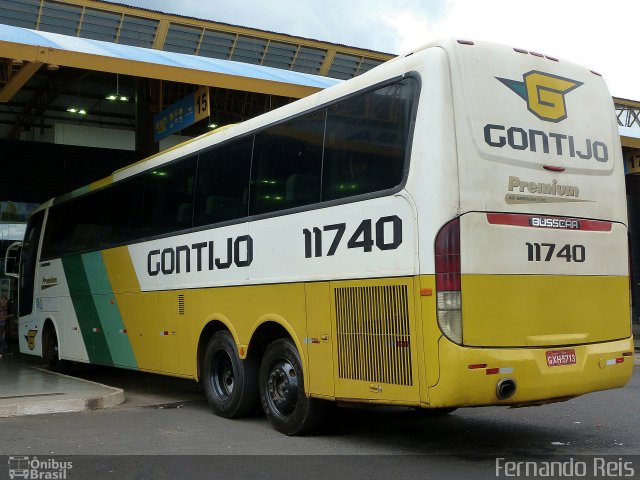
(595, 369)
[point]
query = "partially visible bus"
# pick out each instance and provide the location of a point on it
(446, 230)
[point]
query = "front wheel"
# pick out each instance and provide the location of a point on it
(230, 384)
(282, 394)
(51, 354)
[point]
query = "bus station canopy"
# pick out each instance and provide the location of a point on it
(37, 48)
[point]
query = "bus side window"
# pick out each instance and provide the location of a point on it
(75, 226)
(87, 230)
(366, 139)
(122, 211)
(167, 204)
(285, 157)
(223, 179)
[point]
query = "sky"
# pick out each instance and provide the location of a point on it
(602, 35)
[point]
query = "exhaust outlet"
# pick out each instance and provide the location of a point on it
(506, 388)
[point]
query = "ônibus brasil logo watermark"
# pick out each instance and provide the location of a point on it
(32, 468)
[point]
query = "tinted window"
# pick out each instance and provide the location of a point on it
(123, 211)
(88, 229)
(168, 198)
(223, 183)
(366, 141)
(74, 226)
(287, 161)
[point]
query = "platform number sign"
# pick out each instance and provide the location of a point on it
(201, 103)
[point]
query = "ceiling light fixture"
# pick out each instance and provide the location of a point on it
(77, 110)
(113, 97)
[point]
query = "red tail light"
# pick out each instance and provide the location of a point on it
(448, 296)
(447, 250)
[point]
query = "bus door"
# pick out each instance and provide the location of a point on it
(28, 263)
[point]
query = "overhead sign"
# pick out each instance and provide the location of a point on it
(180, 115)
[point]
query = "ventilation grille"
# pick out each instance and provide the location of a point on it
(180, 304)
(373, 334)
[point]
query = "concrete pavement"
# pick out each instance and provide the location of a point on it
(28, 389)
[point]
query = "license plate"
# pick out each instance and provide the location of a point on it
(556, 358)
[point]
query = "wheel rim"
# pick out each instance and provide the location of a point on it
(282, 387)
(222, 376)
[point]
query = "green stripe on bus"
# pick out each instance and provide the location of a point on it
(86, 311)
(111, 318)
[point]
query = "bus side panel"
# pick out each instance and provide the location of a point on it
(99, 318)
(53, 302)
(319, 339)
(243, 309)
(139, 310)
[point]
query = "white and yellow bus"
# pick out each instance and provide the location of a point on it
(446, 230)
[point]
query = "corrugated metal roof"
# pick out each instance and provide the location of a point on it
(159, 57)
(188, 17)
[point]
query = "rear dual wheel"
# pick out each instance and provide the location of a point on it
(282, 394)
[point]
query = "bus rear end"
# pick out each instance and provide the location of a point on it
(532, 276)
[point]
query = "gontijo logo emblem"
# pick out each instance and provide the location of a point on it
(544, 94)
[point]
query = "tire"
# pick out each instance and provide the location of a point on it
(51, 354)
(282, 394)
(230, 384)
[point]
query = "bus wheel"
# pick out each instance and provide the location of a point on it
(230, 384)
(50, 352)
(282, 395)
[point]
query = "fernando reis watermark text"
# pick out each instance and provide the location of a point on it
(593, 467)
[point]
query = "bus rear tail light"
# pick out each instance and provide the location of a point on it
(449, 299)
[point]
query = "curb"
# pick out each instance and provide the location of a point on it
(108, 400)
